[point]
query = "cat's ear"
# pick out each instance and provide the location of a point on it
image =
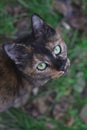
(16, 52)
(40, 28)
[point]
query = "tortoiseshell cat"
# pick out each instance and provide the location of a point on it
(30, 61)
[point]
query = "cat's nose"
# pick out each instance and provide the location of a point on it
(62, 68)
(65, 65)
(61, 63)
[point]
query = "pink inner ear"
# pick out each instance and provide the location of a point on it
(9, 50)
(17, 53)
(37, 22)
(8, 47)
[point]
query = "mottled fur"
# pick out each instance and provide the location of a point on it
(19, 60)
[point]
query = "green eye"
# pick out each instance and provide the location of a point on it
(42, 66)
(57, 50)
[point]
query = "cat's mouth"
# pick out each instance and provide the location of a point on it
(58, 74)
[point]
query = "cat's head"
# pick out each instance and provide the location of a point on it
(44, 57)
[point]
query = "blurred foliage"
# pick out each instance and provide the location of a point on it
(77, 52)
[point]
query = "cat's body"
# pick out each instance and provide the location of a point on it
(29, 62)
(14, 88)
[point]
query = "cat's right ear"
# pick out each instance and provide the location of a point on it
(40, 28)
(37, 25)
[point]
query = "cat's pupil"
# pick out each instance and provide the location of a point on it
(42, 66)
(57, 50)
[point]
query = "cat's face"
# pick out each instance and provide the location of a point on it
(42, 59)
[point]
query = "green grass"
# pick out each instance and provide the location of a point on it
(77, 49)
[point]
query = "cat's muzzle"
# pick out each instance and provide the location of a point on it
(65, 65)
(62, 64)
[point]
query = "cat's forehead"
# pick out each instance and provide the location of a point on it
(55, 37)
(39, 58)
(53, 41)
(41, 53)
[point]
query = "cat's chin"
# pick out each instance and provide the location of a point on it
(58, 74)
(41, 82)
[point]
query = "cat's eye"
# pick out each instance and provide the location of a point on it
(42, 66)
(57, 50)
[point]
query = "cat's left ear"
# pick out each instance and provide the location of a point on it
(40, 28)
(17, 53)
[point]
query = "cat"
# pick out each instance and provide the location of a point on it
(30, 61)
